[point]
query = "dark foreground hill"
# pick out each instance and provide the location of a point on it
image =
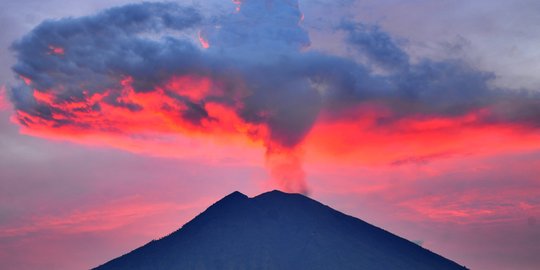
(276, 230)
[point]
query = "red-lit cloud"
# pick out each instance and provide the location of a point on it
(203, 41)
(3, 98)
(56, 50)
(104, 218)
(155, 129)
(415, 139)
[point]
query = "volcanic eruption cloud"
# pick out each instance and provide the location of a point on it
(148, 72)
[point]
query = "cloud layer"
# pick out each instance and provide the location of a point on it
(154, 69)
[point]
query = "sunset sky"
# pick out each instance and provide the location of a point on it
(122, 120)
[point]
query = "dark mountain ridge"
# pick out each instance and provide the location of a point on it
(277, 230)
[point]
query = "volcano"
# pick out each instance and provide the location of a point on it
(277, 230)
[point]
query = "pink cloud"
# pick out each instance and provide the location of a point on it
(106, 217)
(4, 104)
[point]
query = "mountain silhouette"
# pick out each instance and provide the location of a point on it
(277, 230)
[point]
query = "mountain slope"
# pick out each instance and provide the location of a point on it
(276, 230)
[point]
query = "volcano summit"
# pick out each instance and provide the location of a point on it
(277, 230)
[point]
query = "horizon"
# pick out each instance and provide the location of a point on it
(121, 120)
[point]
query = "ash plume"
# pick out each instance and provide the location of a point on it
(165, 68)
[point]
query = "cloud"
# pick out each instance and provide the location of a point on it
(3, 99)
(376, 45)
(138, 70)
(106, 218)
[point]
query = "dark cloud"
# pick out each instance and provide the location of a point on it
(427, 87)
(97, 51)
(376, 45)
